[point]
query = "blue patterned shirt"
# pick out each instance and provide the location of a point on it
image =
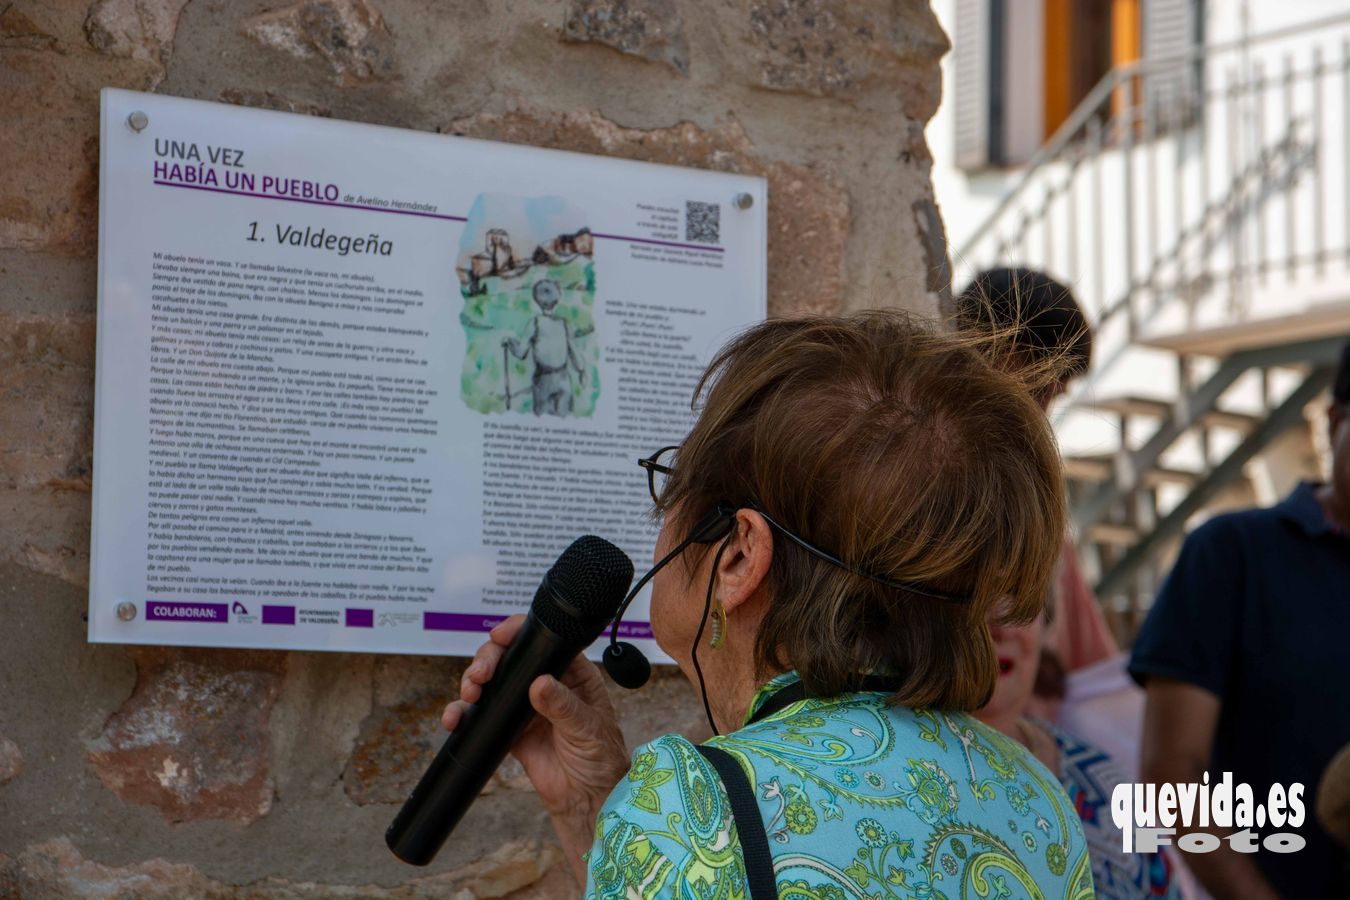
(859, 799)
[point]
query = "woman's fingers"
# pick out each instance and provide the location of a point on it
(484, 664)
(480, 671)
(453, 715)
(558, 703)
(565, 709)
(583, 676)
(506, 630)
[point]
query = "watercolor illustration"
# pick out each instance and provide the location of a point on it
(529, 317)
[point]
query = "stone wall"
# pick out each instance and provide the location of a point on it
(172, 772)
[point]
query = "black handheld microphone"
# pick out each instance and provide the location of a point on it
(575, 602)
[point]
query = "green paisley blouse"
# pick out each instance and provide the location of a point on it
(860, 800)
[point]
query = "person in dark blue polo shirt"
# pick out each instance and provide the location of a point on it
(1245, 657)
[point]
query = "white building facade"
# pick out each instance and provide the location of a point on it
(1185, 167)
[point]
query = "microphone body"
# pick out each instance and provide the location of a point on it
(577, 599)
(478, 745)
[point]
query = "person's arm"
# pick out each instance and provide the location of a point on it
(1079, 633)
(520, 349)
(1180, 720)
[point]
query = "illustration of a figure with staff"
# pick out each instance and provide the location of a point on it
(555, 358)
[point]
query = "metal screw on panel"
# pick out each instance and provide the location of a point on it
(137, 121)
(126, 610)
(744, 201)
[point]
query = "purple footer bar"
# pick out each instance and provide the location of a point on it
(634, 630)
(278, 615)
(443, 621)
(360, 618)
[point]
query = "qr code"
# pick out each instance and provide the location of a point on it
(702, 222)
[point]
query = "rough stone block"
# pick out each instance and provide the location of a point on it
(830, 48)
(272, 100)
(137, 29)
(47, 531)
(11, 760)
(51, 77)
(349, 35)
(55, 869)
(192, 741)
(46, 442)
(397, 741)
(517, 870)
(651, 29)
(46, 401)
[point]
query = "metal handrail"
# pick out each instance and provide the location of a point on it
(1106, 87)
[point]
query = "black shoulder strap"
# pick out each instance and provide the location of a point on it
(749, 824)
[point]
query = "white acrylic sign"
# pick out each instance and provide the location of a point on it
(358, 387)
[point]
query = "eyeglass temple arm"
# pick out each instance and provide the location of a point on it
(836, 561)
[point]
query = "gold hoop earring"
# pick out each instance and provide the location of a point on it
(718, 626)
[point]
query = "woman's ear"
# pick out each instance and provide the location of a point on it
(744, 566)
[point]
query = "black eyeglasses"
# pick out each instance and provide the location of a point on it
(658, 472)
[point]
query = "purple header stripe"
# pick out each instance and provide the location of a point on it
(444, 621)
(173, 611)
(401, 212)
(638, 240)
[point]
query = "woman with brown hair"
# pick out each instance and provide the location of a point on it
(856, 495)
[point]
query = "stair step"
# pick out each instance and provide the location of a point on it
(1159, 475)
(1133, 405)
(1156, 408)
(1113, 533)
(1314, 322)
(1227, 418)
(1087, 468)
(1099, 467)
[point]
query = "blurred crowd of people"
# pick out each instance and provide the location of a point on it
(1241, 665)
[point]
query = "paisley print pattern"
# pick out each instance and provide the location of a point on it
(859, 799)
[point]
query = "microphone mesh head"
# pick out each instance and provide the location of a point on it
(583, 590)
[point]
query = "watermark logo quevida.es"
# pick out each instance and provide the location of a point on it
(1148, 816)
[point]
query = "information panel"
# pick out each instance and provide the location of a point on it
(358, 387)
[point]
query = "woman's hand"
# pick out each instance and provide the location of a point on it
(573, 751)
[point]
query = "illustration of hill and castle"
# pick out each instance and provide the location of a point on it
(528, 317)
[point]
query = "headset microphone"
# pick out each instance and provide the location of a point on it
(626, 665)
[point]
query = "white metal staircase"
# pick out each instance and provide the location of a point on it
(1200, 206)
